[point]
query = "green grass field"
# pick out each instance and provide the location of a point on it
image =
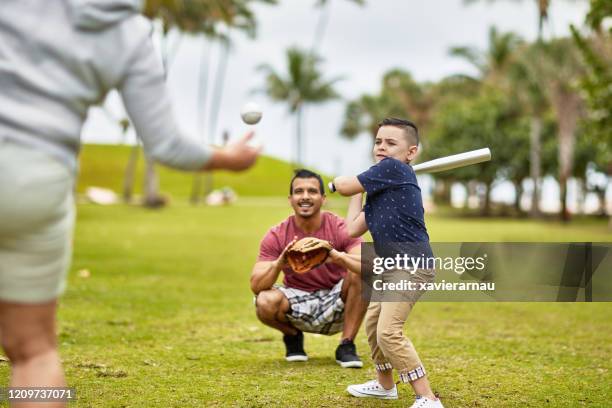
(166, 320)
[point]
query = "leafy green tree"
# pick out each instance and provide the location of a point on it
(583, 159)
(559, 71)
(532, 95)
(400, 95)
(489, 119)
(303, 83)
(494, 65)
(494, 62)
(455, 86)
(415, 99)
(449, 89)
(204, 16)
(363, 114)
(526, 87)
(596, 52)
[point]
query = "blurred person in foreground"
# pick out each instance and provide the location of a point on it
(58, 58)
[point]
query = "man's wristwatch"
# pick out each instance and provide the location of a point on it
(332, 187)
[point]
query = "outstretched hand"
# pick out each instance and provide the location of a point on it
(236, 156)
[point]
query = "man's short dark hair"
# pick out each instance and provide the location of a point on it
(409, 128)
(304, 174)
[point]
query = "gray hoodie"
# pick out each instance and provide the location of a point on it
(59, 57)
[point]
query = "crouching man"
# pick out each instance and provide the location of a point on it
(326, 299)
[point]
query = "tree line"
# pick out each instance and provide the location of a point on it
(543, 108)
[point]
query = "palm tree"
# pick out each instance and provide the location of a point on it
(233, 14)
(493, 63)
(542, 5)
(130, 170)
(243, 19)
(211, 19)
(507, 65)
(596, 51)
(415, 99)
(559, 71)
(527, 88)
(302, 84)
(533, 98)
(400, 96)
(323, 22)
(218, 84)
(364, 113)
(191, 16)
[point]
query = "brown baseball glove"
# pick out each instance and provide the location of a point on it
(308, 253)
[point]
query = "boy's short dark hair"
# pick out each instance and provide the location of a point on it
(304, 173)
(410, 129)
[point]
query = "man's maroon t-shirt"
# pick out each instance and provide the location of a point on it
(324, 276)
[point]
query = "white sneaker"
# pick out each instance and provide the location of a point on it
(422, 402)
(372, 389)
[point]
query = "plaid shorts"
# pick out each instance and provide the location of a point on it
(321, 311)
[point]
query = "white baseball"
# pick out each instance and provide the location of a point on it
(251, 113)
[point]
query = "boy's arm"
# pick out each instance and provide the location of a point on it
(355, 218)
(348, 185)
(350, 260)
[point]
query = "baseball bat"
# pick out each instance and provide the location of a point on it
(454, 161)
(446, 163)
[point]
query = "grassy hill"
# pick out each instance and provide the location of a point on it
(104, 166)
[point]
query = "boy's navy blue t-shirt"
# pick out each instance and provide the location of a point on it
(394, 207)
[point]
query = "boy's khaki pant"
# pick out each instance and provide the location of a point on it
(384, 327)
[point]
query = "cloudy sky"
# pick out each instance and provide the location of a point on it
(361, 44)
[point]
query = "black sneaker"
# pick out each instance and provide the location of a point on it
(346, 355)
(294, 346)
